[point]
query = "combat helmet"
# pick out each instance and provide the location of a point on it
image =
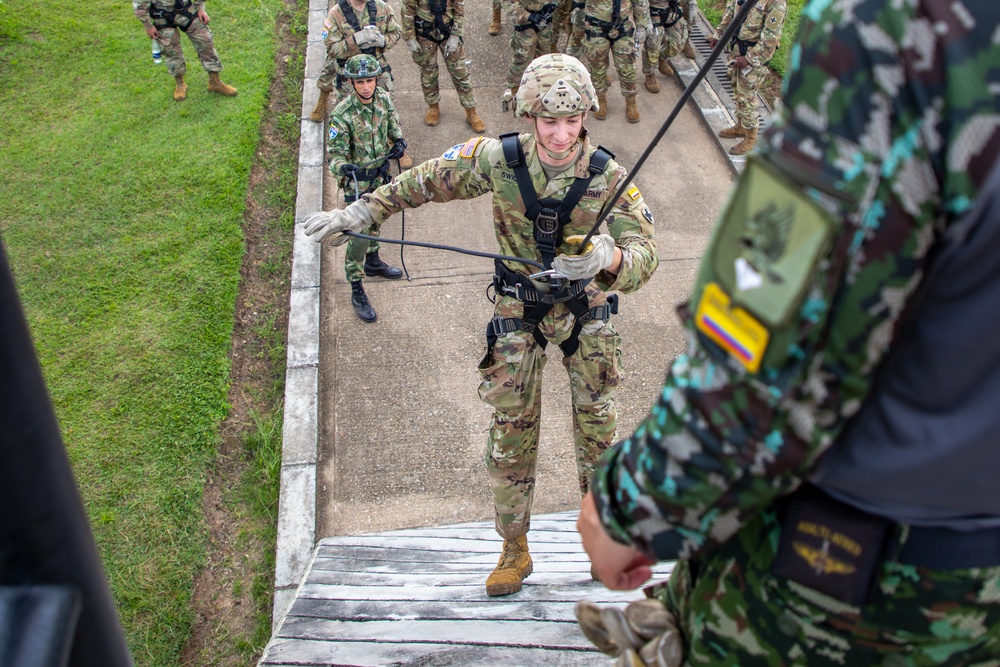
(362, 66)
(555, 85)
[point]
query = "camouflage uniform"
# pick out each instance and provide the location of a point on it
(757, 39)
(531, 37)
(903, 149)
(359, 134)
(426, 58)
(599, 42)
(511, 376)
(340, 44)
(669, 33)
(170, 38)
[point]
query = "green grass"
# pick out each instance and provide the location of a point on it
(121, 214)
(714, 9)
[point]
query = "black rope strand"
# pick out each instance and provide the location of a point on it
(724, 40)
(439, 246)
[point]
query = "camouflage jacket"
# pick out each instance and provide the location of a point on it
(890, 108)
(361, 133)
(422, 8)
(762, 27)
(477, 167)
(141, 9)
(340, 35)
(603, 10)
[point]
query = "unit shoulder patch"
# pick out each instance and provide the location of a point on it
(333, 132)
(452, 153)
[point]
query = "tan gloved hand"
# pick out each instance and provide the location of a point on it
(590, 263)
(413, 45)
(645, 634)
(354, 218)
(452, 45)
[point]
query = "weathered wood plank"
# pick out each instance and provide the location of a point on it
(505, 608)
(531, 591)
(576, 562)
(542, 576)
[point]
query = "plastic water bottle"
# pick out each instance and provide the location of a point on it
(157, 55)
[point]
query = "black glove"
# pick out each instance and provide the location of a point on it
(397, 149)
(348, 169)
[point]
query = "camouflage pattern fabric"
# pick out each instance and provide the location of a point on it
(360, 133)
(762, 27)
(662, 41)
(905, 150)
(511, 377)
(426, 58)
(526, 45)
(170, 38)
(339, 36)
(561, 24)
(596, 46)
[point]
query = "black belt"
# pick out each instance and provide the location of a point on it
(946, 549)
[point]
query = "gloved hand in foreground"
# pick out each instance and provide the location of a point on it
(413, 45)
(397, 150)
(354, 218)
(645, 634)
(452, 45)
(590, 263)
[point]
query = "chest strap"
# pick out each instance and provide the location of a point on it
(437, 30)
(666, 16)
(352, 20)
(540, 19)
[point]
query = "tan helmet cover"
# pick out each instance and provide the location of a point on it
(555, 85)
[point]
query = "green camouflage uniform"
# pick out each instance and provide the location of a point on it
(426, 58)
(664, 41)
(360, 133)
(759, 36)
(893, 105)
(512, 375)
(170, 37)
(340, 45)
(527, 43)
(597, 46)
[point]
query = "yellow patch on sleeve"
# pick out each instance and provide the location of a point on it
(735, 330)
(633, 193)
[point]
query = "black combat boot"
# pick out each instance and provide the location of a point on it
(360, 302)
(374, 266)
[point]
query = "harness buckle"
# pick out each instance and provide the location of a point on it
(547, 220)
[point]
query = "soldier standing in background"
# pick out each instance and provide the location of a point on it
(667, 38)
(430, 25)
(749, 52)
(557, 163)
(530, 38)
(689, 6)
(362, 125)
(613, 27)
(162, 19)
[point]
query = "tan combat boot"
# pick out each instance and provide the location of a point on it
(433, 116)
(494, 28)
(405, 162)
(745, 146)
(631, 110)
(215, 85)
(512, 568)
(602, 106)
(652, 85)
(319, 113)
(180, 89)
(688, 50)
(733, 132)
(666, 69)
(473, 119)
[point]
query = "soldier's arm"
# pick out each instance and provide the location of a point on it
(395, 129)
(631, 226)
(770, 34)
(142, 13)
(338, 143)
(443, 179)
(340, 41)
(458, 11)
(393, 30)
(406, 12)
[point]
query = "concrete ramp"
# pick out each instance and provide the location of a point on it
(418, 597)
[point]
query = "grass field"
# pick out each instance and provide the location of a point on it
(121, 212)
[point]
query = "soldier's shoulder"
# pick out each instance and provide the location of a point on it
(468, 151)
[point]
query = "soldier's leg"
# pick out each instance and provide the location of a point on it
(545, 41)
(426, 60)
(522, 50)
(595, 372)
(173, 56)
(623, 53)
(674, 39)
(745, 97)
(354, 258)
(688, 7)
(651, 50)
(577, 29)
(511, 385)
(201, 38)
(596, 49)
(461, 78)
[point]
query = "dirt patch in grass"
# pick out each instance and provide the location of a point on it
(232, 593)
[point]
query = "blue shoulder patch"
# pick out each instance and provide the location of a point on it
(452, 153)
(333, 132)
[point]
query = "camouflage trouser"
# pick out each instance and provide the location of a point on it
(328, 79)
(496, 5)
(525, 46)
(426, 60)
(733, 611)
(745, 93)
(623, 52)
(561, 23)
(201, 38)
(512, 385)
(574, 46)
(663, 43)
(354, 258)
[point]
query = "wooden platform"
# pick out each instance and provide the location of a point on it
(417, 597)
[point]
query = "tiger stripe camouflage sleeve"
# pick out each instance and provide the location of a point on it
(891, 106)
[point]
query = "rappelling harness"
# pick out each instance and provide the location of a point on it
(352, 20)
(168, 18)
(613, 30)
(538, 20)
(667, 16)
(549, 216)
(437, 30)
